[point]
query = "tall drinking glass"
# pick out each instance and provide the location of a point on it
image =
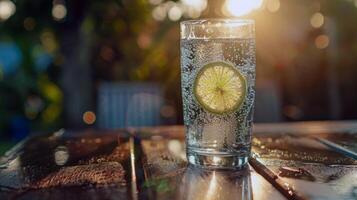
(218, 78)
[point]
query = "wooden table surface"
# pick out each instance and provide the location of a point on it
(307, 160)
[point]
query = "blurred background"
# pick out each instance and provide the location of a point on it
(116, 63)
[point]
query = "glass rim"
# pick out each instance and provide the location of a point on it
(193, 22)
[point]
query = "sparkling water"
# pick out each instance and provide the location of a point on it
(217, 139)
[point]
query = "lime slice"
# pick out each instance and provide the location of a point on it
(220, 88)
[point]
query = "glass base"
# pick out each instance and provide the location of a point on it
(217, 161)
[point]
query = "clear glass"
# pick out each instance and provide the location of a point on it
(218, 80)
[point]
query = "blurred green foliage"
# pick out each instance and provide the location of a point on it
(128, 45)
(131, 45)
(31, 91)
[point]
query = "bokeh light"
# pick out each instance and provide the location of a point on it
(198, 5)
(240, 7)
(89, 117)
(59, 12)
(48, 41)
(192, 13)
(317, 20)
(61, 155)
(193, 8)
(273, 5)
(33, 106)
(175, 10)
(159, 13)
(7, 9)
(175, 13)
(53, 96)
(51, 113)
(42, 58)
(167, 111)
(10, 58)
(293, 112)
(144, 41)
(322, 41)
(107, 53)
(29, 23)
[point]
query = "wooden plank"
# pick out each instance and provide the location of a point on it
(85, 165)
(314, 170)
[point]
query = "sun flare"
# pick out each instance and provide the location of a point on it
(241, 7)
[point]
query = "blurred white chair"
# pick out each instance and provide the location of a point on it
(129, 104)
(268, 106)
